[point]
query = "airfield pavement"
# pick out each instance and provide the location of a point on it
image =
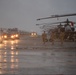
(35, 58)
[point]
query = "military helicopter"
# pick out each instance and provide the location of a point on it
(61, 24)
(66, 26)
(69, 23)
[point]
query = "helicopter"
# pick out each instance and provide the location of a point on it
(59, 24)
(70, 33)
(65, 26)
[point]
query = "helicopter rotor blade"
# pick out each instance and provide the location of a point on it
(56, 16)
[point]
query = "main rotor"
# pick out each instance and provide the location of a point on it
(57, 16)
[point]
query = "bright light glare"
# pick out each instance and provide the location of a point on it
(12, 36)
(5, 36)
(16, 35)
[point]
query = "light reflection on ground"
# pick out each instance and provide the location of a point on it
(8, 57)
(48, 61)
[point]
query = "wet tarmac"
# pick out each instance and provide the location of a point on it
(24, 57)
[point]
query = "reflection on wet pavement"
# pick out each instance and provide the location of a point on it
(18, 61)
(8, 58)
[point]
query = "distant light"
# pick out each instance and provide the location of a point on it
(12, 36)
(16, 35)
(5, 36)
(33, 34)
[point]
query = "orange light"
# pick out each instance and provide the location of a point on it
(16, 35)
(5, 36)
(12, 36)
